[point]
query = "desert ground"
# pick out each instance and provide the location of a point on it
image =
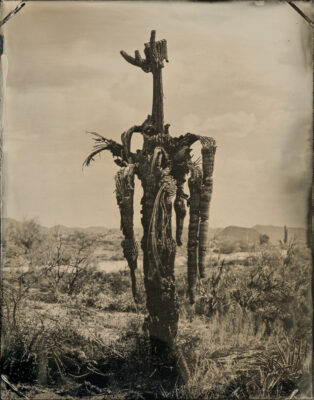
(70, 327)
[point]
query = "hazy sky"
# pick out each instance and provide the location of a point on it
(238, 72)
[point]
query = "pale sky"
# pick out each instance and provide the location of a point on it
(238, 72)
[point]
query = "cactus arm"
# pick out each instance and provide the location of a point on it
(186, 140)
(126, 138)
(125, 194)
(155, 54)
(180, 210)
(146, 128)
(208, 155)
(137, 60)
(194, 183)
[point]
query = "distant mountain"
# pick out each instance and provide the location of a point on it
(66, 230)
(236, 233)
(212, 232)
(91, 229)
(276, 233)
(13, 223)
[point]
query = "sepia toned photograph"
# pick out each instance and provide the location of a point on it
(155, 189)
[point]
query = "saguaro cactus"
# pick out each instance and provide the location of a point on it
(161, 166)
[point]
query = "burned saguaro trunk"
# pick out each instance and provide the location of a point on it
(159, 250)
(162, 167)
(159, 188)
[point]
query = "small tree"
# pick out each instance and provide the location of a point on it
(284, 242)
(67, 261)
(161, 166)
(22, 243)
(263, 239)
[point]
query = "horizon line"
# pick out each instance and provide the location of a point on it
(136, 226)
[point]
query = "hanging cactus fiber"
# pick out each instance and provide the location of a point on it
(162, 167)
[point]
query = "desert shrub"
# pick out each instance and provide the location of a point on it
(263, 239)
(18, 360)
(213, 298)
(212, 293)
(69, 261)
(23, 244)
(274, 291)
(282, 369)
(228, 358)
(58, 262)
(112, 292)
(46, 349)
(273, 285)
(118, 282)
(16, 288)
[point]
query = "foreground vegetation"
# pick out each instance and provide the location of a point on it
(70, 330)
